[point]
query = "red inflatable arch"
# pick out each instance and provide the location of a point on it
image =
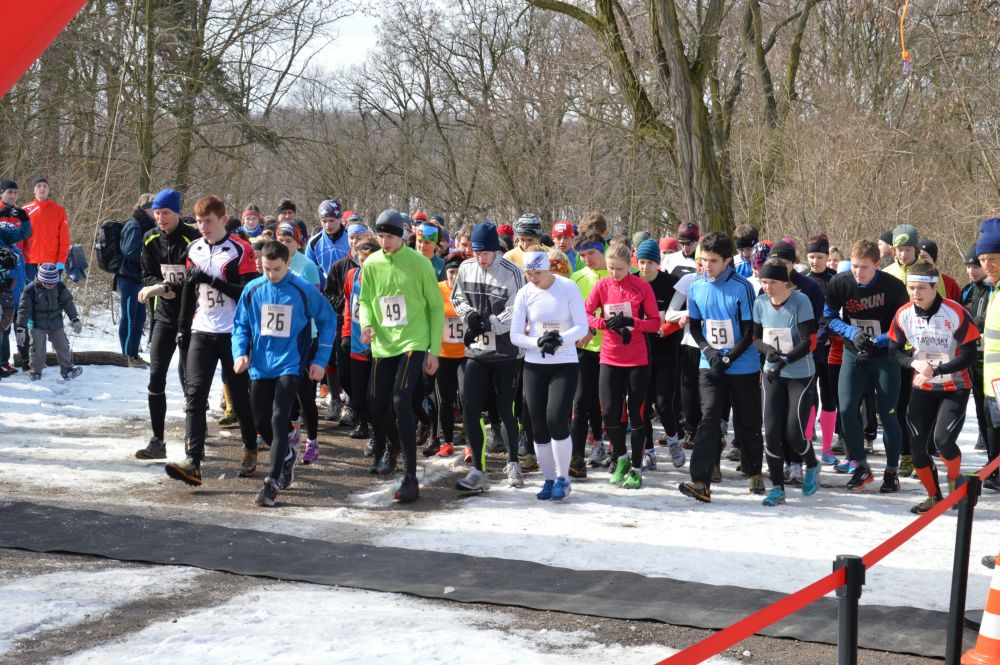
(32, 25)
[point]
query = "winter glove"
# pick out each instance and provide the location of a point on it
(863, 343)
(773, 356)
(197, 276)
(718, 363)
(550, 342)
(710, 354)
(14, 211)
(183, 340)
(614, 323)
(76, 326)
(626, 336)
(345, 344)
(478, 323)
(22, 337)
(775, 367)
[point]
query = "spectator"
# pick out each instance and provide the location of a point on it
(129, 279)
(50, 230)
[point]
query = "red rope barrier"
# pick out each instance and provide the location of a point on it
(718, 642)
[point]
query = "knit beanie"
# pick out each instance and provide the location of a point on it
(783, 250)
(989, 237)
(648, 249)
(931, 248)
(285, 206)
(485, 238)
(39, 180)
(7, 184)
(48, 273)
(169, 199)
(886, 237)
(390, 221)
(761, 253)
(905, 235)
(971, 258)
(329, 208)
(639, 237)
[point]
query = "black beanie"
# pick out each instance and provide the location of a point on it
(931, 248)
(886, 237)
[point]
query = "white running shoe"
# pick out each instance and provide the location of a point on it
(515, 478)
(474, 481)
(677, 455)
(598, 456)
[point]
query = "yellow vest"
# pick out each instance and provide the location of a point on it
(991, 345)
(899, 271)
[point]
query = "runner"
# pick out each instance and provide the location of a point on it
(689, 354)
(403, 319)
(628, 310)
(219, 265)
(943, 338)
(818, 254)
(562, 238)
(251, 222)
(720, 304)
(586, 401)
(745, 237)
(451, 361)
(860, 305)
(483, 295)
(784, 333)
(275, 318)
(550, 309)
(164, 251)
(976, 298)
(688, 234)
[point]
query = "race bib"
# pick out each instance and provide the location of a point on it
(720, 333)
(393, 311)
(454, 330)
(172, 274)
(623, 308)
(549, 326)
(210, 299)
(485, 342)
(870, 327)
(779, 338)
(935, 359)
(276, 320)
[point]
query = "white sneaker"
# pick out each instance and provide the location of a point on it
(677, 455)
(515, 478)
(474, 481)
(598, 456)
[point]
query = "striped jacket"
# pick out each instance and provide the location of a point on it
(490, 292)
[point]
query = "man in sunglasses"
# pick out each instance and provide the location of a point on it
(688, 234)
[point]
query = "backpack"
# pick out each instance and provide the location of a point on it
(107, 246)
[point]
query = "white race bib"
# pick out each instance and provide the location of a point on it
(935, 358)
(870, 327)
(720, 333)
(210, 299)
(172, 274)
(276, 320)
(779, 338)
(485, 342)
(454, 330)
(549, 326)
(623, 308)
(393, 311)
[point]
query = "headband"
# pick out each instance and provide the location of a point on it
(598, 245)
(927, 279)
(819, 247)
(536, 261)
(357, 229)
(779, 273)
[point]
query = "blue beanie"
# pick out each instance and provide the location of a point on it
(485, 238)
(989, 237)
(648, 249)
(168, 198)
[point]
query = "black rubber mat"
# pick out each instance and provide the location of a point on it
(455, 577)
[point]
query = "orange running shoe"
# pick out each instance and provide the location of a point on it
(447, 450)
(468, 454)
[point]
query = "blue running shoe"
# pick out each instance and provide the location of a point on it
(561, 489)
(847, 466)
(774, 498)
(830, 459)
(810, 481)
(546, 492)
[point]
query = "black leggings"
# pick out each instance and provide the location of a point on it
(521, 410)
(391, 393)
(480, 378)
(162, 344)
(947, 410)
(827, 387)
(689, 357)
(205, 353)
(550, 389)
(902, 406)
(307, 404)
(425, 403)
(788, 406)
(272, 401)
(662, 380)
(618, 409)
(447, 391)
(586, 401)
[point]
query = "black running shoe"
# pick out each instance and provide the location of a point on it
(287, 476)
(890, 482)
(409, 490)
(187, 471)
(156, 449)
(861, 477)
(578, 467)
(432, 448)
(267, 493)
(388, 462)
(71, 373)
(360, 432)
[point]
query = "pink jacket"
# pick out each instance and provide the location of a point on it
(633, 295)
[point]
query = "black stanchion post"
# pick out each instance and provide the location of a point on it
(847, 637)
(960, 568)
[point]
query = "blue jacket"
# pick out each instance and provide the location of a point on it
(324, 251)
(131, 244)
(9, 236)
(273, 325)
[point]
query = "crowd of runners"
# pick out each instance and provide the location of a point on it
(557, 347)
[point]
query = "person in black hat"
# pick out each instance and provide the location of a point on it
(928, 251)
(975, 298)
(887, 253)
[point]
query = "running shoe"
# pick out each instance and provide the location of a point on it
(522, 444)
(869, 446)
(346, 417)
(696, 490)
(622, 467)
(846, 466)
(287, 476)
(598, 456)
(757, 484)
(474, 481)
(839, 446)
(370, 447)
(677, 455)
(333, 409)
(862, 476)
(432, 447)
(248, 466)
(71, 373)
(906, 466)
(633, 480)
(890, 482)
(360, 431)
(388, 462)
(446, 450)
(155, 449)
(925, 505)
(409, 489)
(775, 497)
(515, 478)
(810, 481)
(649, 460)
(561, 489)
(734, 454)
(688, 443)
(187, 471)
(577, 467)
(268, 493)
(989, 561)
(7, 370)
(294, 439)
(496, 445)
(311, 453)
(829, 459)
(546, 492)
(324, 390)
(980, 443)
(992, 483)
(529, 463)
(229, 419)
(137, 363)
(795, 474)
(717, 474)
(467, 455)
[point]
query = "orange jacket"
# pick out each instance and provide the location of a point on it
(453, 327)
(49, 242)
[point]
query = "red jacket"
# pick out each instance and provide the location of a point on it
(49, 242)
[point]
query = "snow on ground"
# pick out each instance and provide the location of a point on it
(57, 600)
(349, 626)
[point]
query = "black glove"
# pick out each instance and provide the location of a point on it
(626, 335)
(615, 323)
(775, 367)
(345, 344)
(76, 325)
(773, 356)
(550, 342)
(471, 334)
(863, 343)
(183, 340)
(710, 354)
(718, 363)
(14, 211)
(197, 276)
(478, 323)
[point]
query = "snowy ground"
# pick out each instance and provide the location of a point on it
(61, 438)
